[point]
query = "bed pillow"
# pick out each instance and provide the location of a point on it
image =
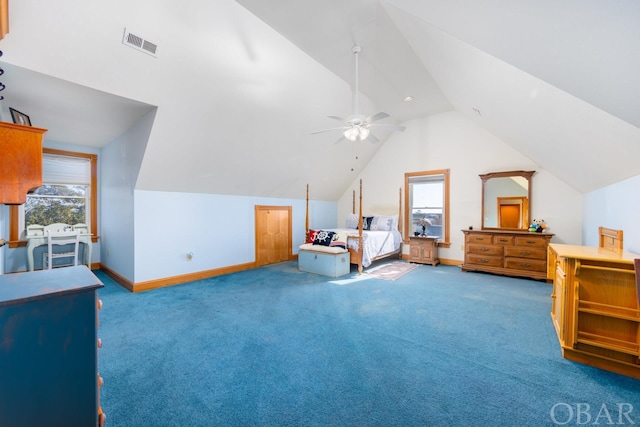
(352, 221)
(366, 222)
(311, 236)
(381, 223)
(323, 238)
(339, 240)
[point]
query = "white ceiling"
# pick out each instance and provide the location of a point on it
(556, 80)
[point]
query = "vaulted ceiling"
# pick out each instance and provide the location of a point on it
(556, 80)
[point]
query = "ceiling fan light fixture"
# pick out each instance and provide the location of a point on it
(356, 133)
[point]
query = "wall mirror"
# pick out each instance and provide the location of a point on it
(506, 200)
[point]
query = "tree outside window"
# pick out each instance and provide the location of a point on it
(58, 203)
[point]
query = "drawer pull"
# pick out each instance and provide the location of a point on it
(484, 249)
(532, 242)
(504, 240)
(525, 265)
(484, 261)
(525, 253)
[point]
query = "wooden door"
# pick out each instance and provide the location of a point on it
(273, 234)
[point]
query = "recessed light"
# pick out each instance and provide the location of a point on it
(408, 98)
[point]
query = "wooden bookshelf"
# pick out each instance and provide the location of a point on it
(595, 307)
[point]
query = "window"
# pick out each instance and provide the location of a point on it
(68, 194)
(427, 202)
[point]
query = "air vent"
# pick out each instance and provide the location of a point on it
(140, 43)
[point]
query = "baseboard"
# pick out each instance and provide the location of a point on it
(174, 280)
(122, 281)
(442, 261)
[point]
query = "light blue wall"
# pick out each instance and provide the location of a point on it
(3, 227)
(218, 229)
(617, 207)
(121, 161)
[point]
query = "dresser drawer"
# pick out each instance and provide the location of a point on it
(479, 238)
(503, 240)
(485, 249)
(531, 241)
(525, 252)
(526, 264)
(485, 260)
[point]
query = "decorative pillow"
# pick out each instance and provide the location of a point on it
(394, 222)
(323, 238)
(352, 221)
(381, 223)
(311, 236)
(366, 222)
(339, 240)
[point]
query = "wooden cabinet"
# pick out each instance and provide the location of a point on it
(20, 162)
(424, 250)
(48, 348)
(511, 253)
(595, 308)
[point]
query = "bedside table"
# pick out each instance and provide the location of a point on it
(424, 250)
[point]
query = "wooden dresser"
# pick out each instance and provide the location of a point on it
(595, 307)
(49, 348)
(510, 253)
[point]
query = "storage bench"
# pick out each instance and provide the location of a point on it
(323, 260)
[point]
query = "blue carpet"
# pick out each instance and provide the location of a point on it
(277, 347)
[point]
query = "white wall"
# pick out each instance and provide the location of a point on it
(617, 207)
(219, 230)
(451, 141)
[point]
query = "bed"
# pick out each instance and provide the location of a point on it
(377, 238)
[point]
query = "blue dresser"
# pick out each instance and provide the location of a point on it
(48, 348)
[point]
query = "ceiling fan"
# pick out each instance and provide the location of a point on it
(357, 127)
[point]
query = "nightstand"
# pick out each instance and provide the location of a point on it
(424, 250)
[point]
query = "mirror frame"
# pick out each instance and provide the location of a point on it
(487, 176)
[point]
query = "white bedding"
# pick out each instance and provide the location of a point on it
(374, 243)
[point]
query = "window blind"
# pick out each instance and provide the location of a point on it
(58, 169)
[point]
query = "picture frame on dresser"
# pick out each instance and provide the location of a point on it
(19, 118)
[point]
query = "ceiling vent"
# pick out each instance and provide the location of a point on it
(140, 43)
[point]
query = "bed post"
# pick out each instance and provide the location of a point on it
(306, 221)
(353, 202)
(360, 248)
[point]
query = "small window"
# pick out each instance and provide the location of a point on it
(427, 202)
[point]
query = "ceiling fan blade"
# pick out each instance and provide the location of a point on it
(372, 139)
(337, 118)
(342, 138)
(329, 130)
(377, 116)
(388, 126)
